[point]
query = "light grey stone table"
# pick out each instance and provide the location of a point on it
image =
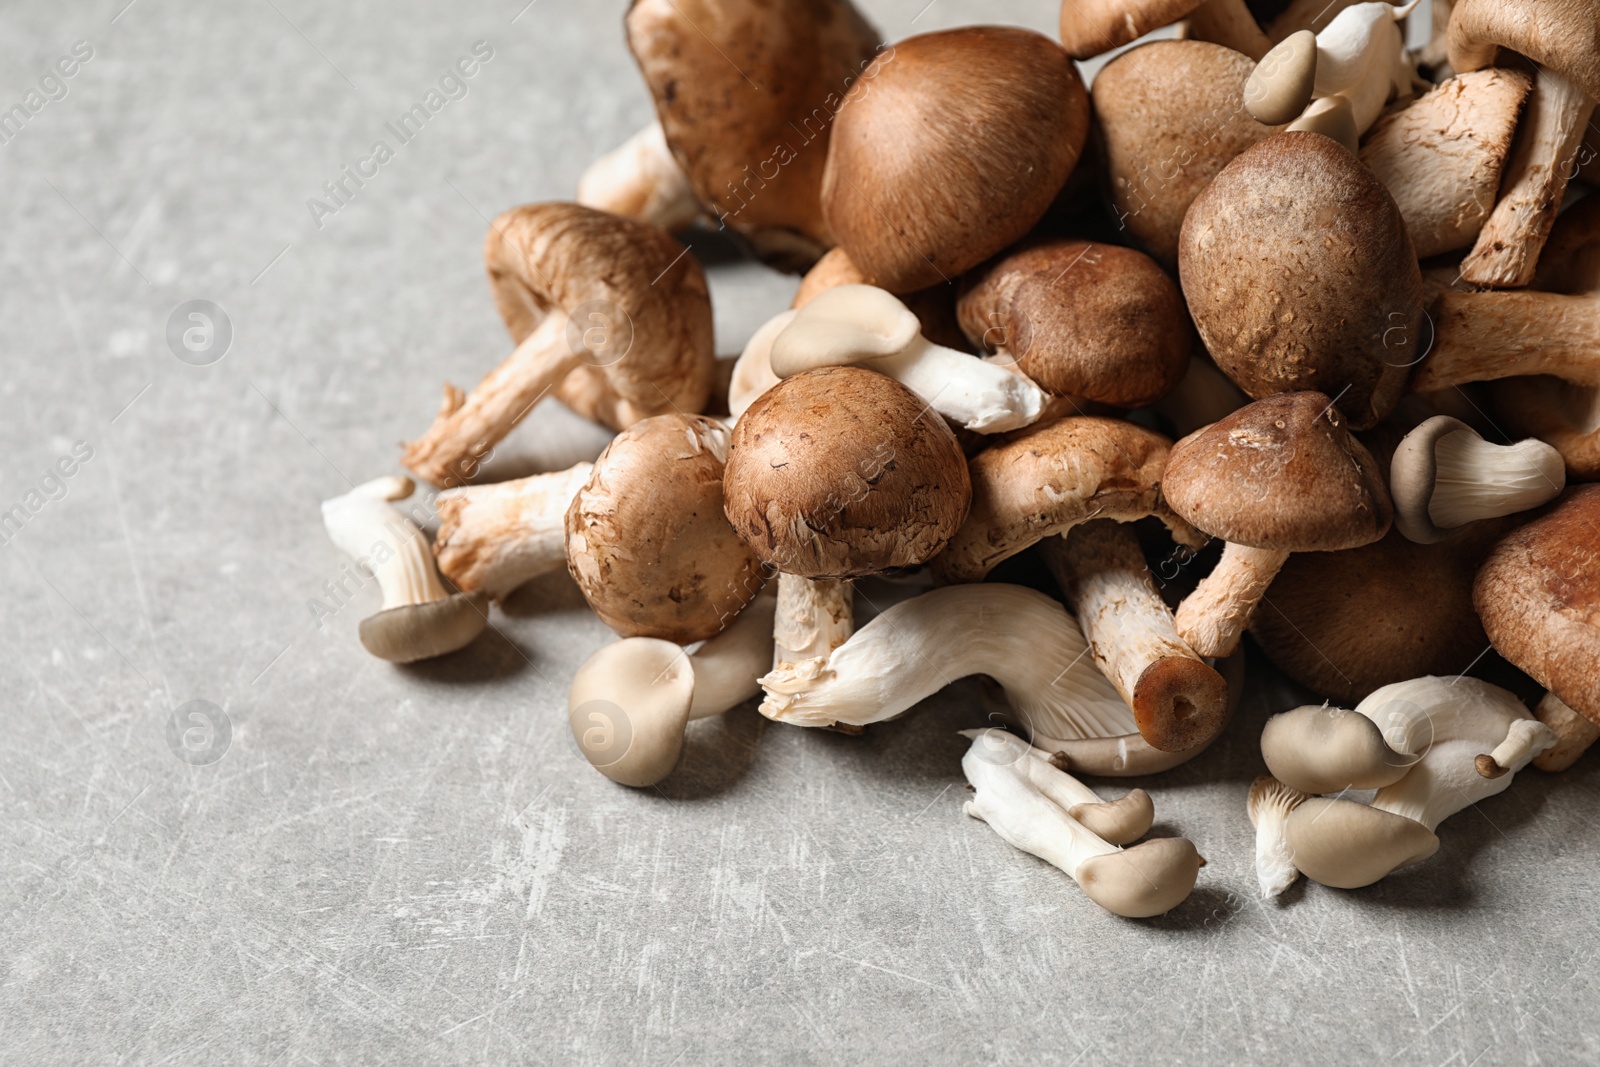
(414, 864)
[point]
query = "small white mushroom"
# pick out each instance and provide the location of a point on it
(870, 327)
(419, 617)
(631, 702)
(1029, 801)
(496, 537)
(1269, 805)
(641, 179)
(1445, 476)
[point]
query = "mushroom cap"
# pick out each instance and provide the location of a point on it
(1148, 879)
(1327, 750)
(840, 472)
(647, 541)
(1082, 319)
(845, 324)
(1559, 35)
(934, 306)
(629, 706)
(1158, 157)
(413, 632)
(746, 94)
(1093, 27)
(1563, 415)
(1280, 87)
(1347, 845)
(1538, 594)
(1047, 479)
(628, 282)
(1412, 473)
(1345, 623)
(1281, 473)
(1300, 275)
(1117, 822)
(915, 198)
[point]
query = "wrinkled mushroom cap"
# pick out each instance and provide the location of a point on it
(1538, 594)
(629, 286)
(1300, 275)
(1082, 319)
(1281, 473)
(915, 198)
(1148, 879)
(1092, 27)
(647, 541)
(840, 472)
(1559, 35)
(413, 632)
(1347, 845)
(1326, 750)
(628, 708)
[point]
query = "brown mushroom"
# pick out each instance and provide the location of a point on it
(1092, 27)
(1045, 480)
(1081, 319)
(1178, 701)
(1299, 274)
(647, 541)
(605, 310)
(1560, 37)
(1279, 476)
(1441, 157)
(1538, 594)
(916, 198)
(1170, 115)
(747, 94)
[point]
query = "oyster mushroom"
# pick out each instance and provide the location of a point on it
(607, 312)
(1300, 276)
(1445, 476)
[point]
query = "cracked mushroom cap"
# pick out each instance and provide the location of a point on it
(746, 93)
(1538, 594)
(1300, 275)
(1170, 115)
(916, 198)
(1559, 35)
(647, 541)
(1082, 319)
(628, 280)
(840, 472)
(1282, 473)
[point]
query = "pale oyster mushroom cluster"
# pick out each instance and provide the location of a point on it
(1274, 284)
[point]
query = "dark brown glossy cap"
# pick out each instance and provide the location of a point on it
(1282, 473)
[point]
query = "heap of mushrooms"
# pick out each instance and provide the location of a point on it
(1050, 341)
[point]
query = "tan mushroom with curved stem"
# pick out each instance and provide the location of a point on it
(747, 94)
(419, 617)
(608, 313)
(495, 537)
(1300, 276)
(1028, 801)
(641, 179)
(1093, 27)
(1048, 479)
(869, 327)
(833, 474)
(630, 702)
(647, 541)
(1178, 700)
(951, 194)
(1433, 747)
(1559, 36)
(1538, 594)
(1445, 476)
(1279, 476)
(1081, 319)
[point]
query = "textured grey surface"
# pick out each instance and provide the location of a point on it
(414, 864)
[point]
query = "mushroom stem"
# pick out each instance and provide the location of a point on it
(984, 396)
(641, 179)
(1229, 23)
(364, 524)
(1483, 337)
(727, 667)
(1507, 249)
(1575, 734)
(1212, 619)
(496, 537)
(1019, 794)
(1444, 781)
(1269, 805)
(1525, 739)
(919, 646)
(1177, 699)
(467, 427)
(814, 617)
